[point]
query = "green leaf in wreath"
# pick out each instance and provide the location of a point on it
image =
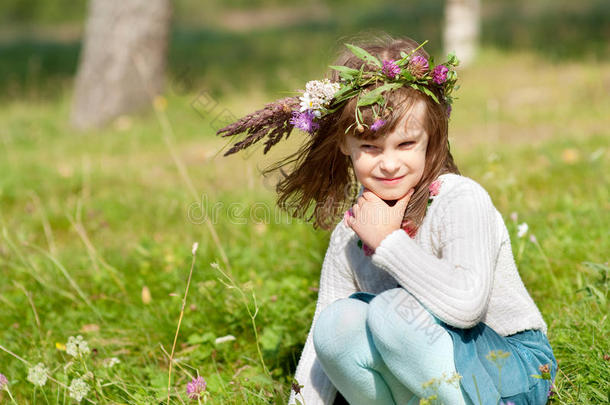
(345, 72)
(364, 55)
(375, 95)
(428, 92)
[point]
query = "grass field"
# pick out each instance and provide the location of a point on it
(97, 231)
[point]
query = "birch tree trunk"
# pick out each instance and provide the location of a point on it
(461, 33)
(123, 58)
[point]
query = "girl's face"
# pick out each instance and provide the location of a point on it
(390, 165)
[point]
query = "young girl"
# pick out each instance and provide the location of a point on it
(419, 294)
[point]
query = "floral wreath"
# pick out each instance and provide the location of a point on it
(321, 98)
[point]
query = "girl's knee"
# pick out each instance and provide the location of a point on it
(337, 324)
(396, 317)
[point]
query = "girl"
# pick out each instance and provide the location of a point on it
(419, 294)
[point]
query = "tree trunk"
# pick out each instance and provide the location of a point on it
(122, 62)
(461, 34)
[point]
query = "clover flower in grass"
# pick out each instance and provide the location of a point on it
(77, 346)
(78, 389)
(38, 374)
(3, 381)
(390, 69)
(522, 229)
(195, 388)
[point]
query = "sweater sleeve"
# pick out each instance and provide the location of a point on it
(456, 286)
(336, 282)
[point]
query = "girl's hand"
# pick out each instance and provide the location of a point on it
(373, 219)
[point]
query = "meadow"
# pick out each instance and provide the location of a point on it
(97, 228)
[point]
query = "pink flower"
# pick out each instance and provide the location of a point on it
(439, 74)
(3, 381)
(390, 69)
(195, 388)
(435, 187)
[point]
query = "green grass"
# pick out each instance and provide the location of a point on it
(534, 134)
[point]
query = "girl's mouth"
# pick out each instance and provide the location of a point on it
(390, 181)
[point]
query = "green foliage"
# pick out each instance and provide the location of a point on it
(121, 187)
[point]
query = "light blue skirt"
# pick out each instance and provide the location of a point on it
(505, 378)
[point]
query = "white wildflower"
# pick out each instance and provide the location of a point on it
(77, 346)
(195, 246)
(38, 374)
(522, 230)
(223, 339)
(78, 389)
(317, 94)
(111, 362)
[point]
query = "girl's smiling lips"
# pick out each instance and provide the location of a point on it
(390, 181)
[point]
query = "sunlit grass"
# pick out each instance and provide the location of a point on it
(532, 133)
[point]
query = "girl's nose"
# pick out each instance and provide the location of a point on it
(389, 162)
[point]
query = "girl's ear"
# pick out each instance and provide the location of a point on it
(343, 146)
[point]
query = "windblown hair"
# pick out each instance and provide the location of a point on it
(321, 175)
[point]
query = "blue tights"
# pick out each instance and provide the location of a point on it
(386, 351)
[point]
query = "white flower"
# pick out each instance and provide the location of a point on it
(78, 389)
(195, 246)
(38, 374)
(109, 363)
(522, 230)
(77, 346)
(223, 339)
(317, 94)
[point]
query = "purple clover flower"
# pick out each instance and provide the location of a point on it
(377, 124)
(419, 66)
(195, 388)
(304, 121)
(439, 74)
(3, 381)
(390, 69)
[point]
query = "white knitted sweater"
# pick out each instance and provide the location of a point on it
(460, 266)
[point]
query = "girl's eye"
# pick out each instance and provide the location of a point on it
(407, 143)
(368, 146)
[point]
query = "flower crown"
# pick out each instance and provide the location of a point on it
(323, 97)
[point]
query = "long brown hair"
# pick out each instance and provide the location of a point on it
(323, 176)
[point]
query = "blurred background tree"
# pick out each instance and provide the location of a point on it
(122, 63)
